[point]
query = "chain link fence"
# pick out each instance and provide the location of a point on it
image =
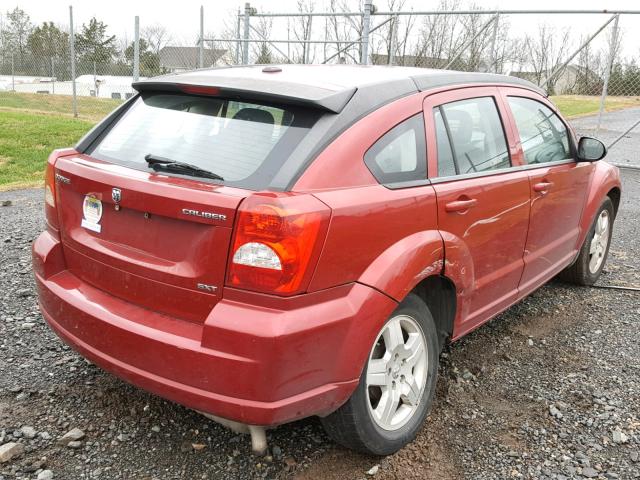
(86, 71)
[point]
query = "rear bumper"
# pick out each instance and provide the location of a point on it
(257, 359)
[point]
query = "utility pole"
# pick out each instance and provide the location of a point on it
(136, 49)
(72, 52)
(247, 24)
(366, 25)
(201, 49)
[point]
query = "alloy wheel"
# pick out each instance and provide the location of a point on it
(598, 246)
(396, 372)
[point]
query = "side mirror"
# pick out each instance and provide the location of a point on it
(591, 149)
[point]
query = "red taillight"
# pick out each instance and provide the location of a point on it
(277, 242)
(50, 211)
(50, 197)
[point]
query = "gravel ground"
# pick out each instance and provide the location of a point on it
(614, 124)
(549, 390)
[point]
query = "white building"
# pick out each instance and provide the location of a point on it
(101, 86)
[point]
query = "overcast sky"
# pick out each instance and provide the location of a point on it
(182, 17)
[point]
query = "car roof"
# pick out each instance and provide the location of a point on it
(329, 87)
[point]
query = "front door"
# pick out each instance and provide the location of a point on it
(483, 200)
(558, 185)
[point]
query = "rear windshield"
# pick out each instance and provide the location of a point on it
(243, 142)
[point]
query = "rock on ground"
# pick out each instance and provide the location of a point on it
(10, 450)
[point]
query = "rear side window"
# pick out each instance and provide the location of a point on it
(543, 136)
(477, 139)
(244, 142)
(400, 154)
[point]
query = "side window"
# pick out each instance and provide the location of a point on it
(477, 138)
(400, 154)
(543, 136)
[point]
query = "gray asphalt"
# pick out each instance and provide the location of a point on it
(614, 124)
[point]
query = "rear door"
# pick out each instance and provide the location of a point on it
(558, 186)
(483, 199)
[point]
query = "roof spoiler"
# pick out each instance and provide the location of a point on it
(254, 89)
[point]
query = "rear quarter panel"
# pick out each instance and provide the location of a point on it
(381, 237)
(387, 239)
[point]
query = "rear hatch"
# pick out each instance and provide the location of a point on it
(160, 237)
(163, 245)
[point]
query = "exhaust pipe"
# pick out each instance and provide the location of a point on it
(258, 434)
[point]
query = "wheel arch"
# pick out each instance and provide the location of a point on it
(604, 183)
(439, 293)
(405, 264)
(614, 194)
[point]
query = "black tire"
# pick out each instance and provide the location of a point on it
(579, 273)
(352, 425)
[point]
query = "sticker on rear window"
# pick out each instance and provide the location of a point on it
(92, 212)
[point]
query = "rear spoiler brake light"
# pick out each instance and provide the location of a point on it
(257, 89)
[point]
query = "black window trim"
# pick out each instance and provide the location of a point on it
(447, 129)
(502, 171)
(487, 173)
(572, 146)
(421, 151)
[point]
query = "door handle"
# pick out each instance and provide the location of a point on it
(542, 187)
(460, 205)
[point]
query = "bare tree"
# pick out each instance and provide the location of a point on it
(340, 31)
(478, 38)
(157, 36)
(508, 49)
(300, 28)
(547, 51)
(440, 37)
(383, 39)
(262, 50)
(232, 50)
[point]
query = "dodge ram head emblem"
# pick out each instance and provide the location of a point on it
(116, 195)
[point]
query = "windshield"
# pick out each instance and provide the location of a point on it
(243, 142)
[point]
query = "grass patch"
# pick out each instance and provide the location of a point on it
(26, 139)
(573, 106)
(89, 108)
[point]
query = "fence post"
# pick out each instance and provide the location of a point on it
(136, 49)
(494, 52)
(238, 39)
(245, 36)
(13, 75)
(53, 76)
(72, 53)
(607, 73)
(201, 42)
(394, 39)
(366, 25)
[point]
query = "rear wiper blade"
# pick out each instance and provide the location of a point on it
(161, 163)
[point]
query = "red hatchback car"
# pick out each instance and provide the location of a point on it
(264, 244)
